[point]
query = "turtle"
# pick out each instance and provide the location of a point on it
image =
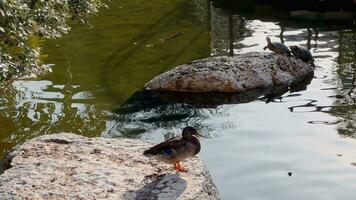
(277, 47)
(303, 54)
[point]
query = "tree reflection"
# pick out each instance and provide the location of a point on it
(33, 108)
(226, 29)
(332, 19)
(345, 108)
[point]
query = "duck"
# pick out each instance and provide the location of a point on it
(177, 149)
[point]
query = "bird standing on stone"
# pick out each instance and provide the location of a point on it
(277, 47)
(177, 149)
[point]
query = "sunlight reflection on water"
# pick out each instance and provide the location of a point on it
(249, 146)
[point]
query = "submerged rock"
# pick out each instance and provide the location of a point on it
(233, 74)
(69, 166)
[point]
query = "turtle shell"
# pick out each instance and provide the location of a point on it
(302, 53)
(279, 48)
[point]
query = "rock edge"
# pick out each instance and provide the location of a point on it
(232, 74)
(69, 166)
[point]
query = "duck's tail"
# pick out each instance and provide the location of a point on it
(148, 153)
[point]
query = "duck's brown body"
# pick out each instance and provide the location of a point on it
(175, 150)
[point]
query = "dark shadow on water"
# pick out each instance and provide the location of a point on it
(312, 5)
(328, 14)
(147, 110)
(147, 99)
(168, 186)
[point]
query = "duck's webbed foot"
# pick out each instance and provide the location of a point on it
(175, 166)
(179, 168)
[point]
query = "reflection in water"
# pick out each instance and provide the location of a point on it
(147, 110)
(226, 30)
(34, 108)
(260, 134)
(345, 108)
(95, 68)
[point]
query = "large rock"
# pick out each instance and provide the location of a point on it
(232, 74)
(68, 166)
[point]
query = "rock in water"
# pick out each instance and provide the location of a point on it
(233, 74)
(69, 166)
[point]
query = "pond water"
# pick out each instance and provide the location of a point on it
(249, 147)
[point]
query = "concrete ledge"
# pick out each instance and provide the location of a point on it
(69, 166)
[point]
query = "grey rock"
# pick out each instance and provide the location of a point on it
(69, 166)
(232, 74)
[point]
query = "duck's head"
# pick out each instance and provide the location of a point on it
(188, 132)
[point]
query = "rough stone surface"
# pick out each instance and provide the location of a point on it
(232, 74)
(68, 166)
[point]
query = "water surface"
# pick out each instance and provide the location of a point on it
(249, 147)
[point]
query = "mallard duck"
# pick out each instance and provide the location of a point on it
(177, 149)
(277, 47)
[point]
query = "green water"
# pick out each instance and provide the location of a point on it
(98, 66)
(250, 144)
